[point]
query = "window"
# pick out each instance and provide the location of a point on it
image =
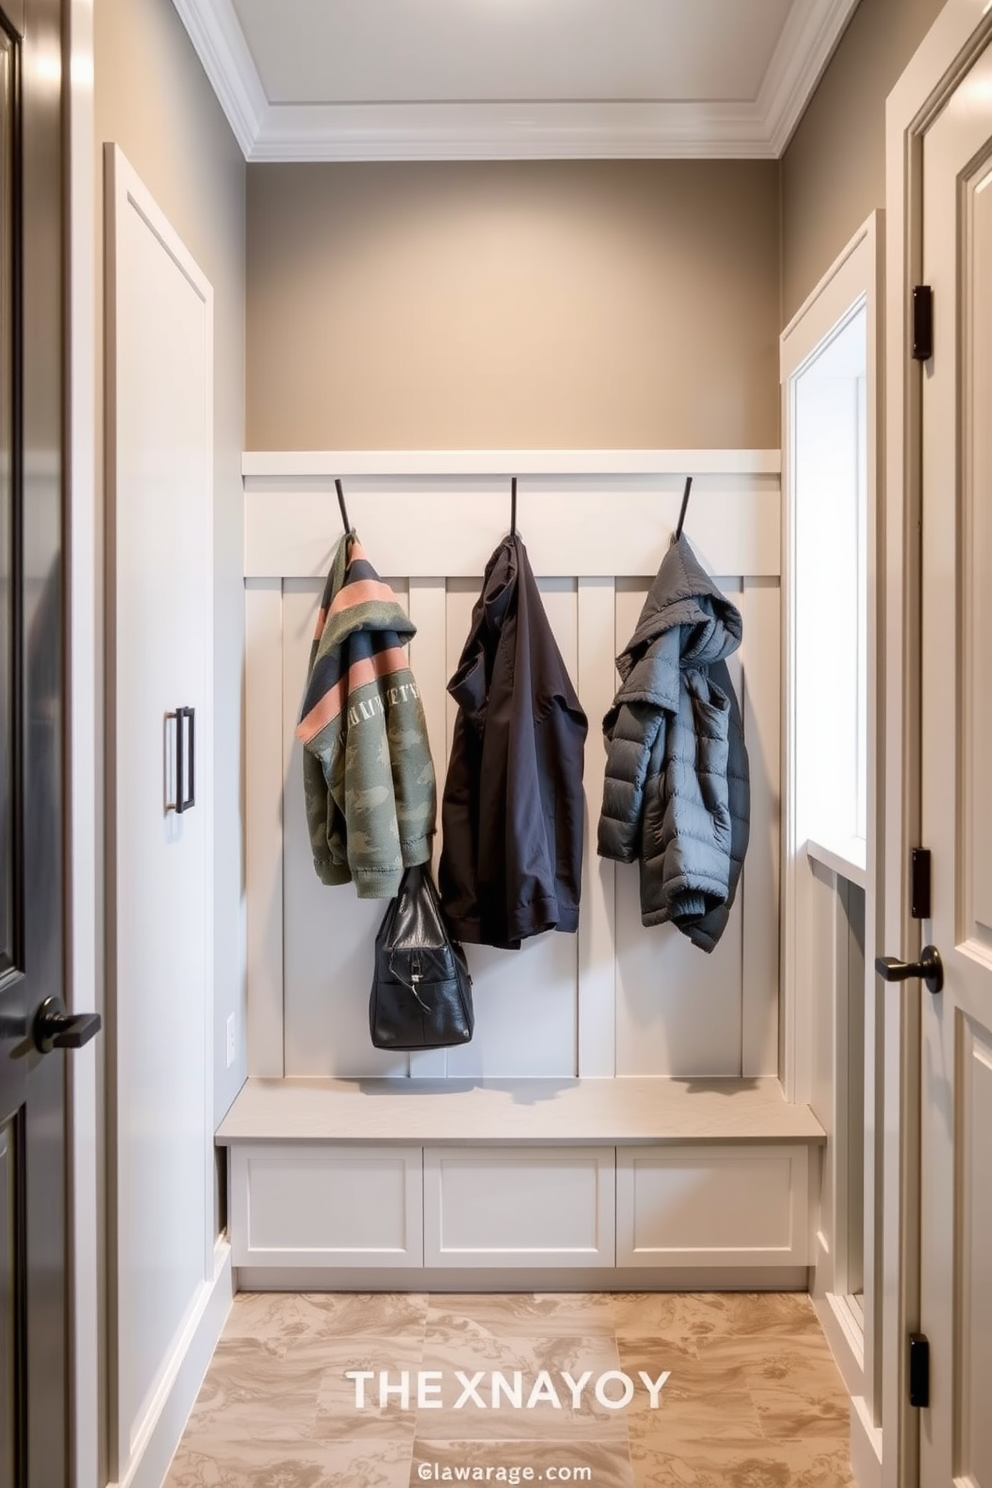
(830, 479)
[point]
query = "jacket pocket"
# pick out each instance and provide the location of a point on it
(711, 723)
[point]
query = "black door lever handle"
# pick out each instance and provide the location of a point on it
(54, 1028)
(929, 968)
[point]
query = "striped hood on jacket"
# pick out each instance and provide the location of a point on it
(361, 635)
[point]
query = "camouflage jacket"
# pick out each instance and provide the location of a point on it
(367, 770)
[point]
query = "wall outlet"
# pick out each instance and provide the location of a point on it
(230, 1040)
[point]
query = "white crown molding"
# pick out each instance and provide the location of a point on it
(508, 131)
(807, 43)
(515, 131)
(219, 42)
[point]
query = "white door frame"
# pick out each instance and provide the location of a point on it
(84, 820)
(957, 36)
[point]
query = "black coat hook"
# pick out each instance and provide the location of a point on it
(685, 503)
(513, 506)
(344, 509)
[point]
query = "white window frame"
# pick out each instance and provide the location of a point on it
(853, 280)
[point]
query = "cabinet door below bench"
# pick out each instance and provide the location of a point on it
(326, 1205)
(706, 1205)
(519, 1206)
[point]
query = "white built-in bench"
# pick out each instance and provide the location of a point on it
(634, 1183)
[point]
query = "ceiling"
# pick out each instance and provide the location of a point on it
(513, 79)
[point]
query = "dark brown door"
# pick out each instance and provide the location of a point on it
(33, 1260)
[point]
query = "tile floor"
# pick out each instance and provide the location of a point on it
(753, 1398)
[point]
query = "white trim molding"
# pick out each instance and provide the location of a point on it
(86, 1069)
(328, 464)
(219, 42)
(805, 46)
(713, 129)
(162, 1428)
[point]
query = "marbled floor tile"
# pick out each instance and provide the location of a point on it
(740, 1465)
(339, 1416)
(749, 1314)
(310, 1465)
(281, 1319)
(609, 1462)
(525, 1314)
(796, 1386)
(699, 1401)
(465, 1349)
(705, 1316)
(251, 1395)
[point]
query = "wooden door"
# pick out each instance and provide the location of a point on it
(34, 1346)
(956, 1097)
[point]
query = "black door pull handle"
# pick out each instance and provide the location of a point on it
(54, 1028)
(929, 968)
(185, 763)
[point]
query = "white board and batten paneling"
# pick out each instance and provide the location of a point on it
(616, 999)
(167, 1269)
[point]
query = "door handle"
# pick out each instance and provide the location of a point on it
(929, 968)
(183, 800)
(54, 1028)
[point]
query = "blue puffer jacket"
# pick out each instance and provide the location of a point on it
(677, 793)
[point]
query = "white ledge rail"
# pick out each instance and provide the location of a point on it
(582, 513)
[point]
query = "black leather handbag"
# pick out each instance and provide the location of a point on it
(421, 988)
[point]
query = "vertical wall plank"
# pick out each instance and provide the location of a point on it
(428, 660)
(760, 888)
(264, 832)
(596, 682)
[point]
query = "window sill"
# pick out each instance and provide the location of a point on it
(846, 856)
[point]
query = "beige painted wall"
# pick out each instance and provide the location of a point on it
(833, 173)
(577, 304)
(152, 98)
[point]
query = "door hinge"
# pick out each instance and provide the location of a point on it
(919, 883)
(922, 323)
(919, 1370)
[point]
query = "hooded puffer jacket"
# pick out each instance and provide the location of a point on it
(677, 792)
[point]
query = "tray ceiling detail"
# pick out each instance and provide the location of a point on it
(513, 79)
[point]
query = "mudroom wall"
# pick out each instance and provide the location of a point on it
(520, 305)
(833, 172)
(153, 100)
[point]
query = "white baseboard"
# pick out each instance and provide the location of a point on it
(840, 1326)
(162, 1432)
(866, 1446)
(522, 1279)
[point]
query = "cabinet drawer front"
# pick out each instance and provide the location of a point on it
(336, 1206)
(551, 1206)
(720, 1206)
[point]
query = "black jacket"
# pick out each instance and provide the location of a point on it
(512, 812)
(677, 793)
